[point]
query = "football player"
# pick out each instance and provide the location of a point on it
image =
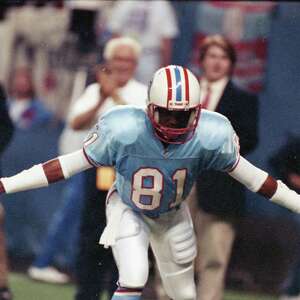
(157, 154)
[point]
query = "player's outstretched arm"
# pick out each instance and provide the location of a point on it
(42, 175)
(261, 182)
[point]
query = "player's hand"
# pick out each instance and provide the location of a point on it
(107, 83)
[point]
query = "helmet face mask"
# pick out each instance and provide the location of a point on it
(173, 127)
(174, 104)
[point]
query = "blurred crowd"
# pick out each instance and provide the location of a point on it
(72, 39)
(54, 52)
(56, 55)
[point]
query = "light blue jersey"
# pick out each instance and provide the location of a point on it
(150, 178)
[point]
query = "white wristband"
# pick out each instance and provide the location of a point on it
(73, 163)
(286, 197)
(28, 179)
(35, 177)
(249, 175)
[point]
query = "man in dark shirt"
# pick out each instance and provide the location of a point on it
(220, 200)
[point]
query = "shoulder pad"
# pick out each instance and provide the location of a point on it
(124, 123)
(213, 129)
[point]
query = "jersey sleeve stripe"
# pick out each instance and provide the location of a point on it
(110, 193)
(91, 162)
(235, 164)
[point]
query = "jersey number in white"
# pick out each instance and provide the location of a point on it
(153, 191)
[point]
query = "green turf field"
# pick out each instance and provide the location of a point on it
(242, 296)
(26, 289)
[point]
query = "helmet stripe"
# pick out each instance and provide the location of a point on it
(178, 85)
(187, 88)
(169, 81)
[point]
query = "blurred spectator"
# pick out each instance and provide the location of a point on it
(35, 125)
(84, 17)
(6, 44)
(40, 46)
(6, 125)
(6, 131)
(115, 85)
(219, 202)
(25, 109)
(286, 163)
(153, 24)
(63, 230)
(247, 25)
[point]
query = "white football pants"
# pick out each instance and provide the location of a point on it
(173, 243)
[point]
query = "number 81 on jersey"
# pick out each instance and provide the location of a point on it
(149, 183)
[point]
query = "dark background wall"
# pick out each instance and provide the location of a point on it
(280, 101)
(268, 241)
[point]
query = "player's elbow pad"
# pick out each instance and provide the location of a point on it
(249, 175)
(73, 163)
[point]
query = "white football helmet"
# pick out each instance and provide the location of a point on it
(174, 104)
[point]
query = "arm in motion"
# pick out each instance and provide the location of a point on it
(258, 181)
(42, 175)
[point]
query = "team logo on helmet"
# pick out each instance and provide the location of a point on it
(178, 87)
